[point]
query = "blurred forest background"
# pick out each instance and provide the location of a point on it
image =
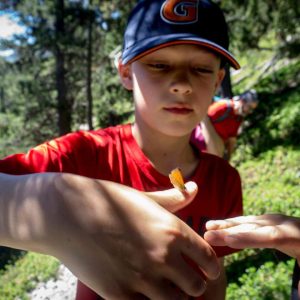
(60, 77)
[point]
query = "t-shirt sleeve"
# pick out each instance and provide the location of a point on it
(64, 154)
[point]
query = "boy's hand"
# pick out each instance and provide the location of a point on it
(115, 239)
(266, 231)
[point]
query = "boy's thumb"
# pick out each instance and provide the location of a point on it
(174, 200)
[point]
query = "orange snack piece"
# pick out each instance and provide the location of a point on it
(176, 179)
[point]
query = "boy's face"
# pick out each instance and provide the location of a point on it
(173, 87)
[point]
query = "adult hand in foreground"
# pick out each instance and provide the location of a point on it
(115, 239)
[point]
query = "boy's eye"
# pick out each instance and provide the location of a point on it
(158, 66)
(202, 70)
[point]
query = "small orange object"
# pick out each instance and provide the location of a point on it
(176, 179)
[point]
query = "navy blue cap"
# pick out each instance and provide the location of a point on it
(154, 24)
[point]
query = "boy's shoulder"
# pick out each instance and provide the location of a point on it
(110, 132)
(101, 137)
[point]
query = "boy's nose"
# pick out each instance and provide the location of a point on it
(181, 87)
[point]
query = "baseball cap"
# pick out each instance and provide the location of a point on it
(154, 24)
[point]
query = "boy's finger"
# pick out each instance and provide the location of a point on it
(243, 236)
(227, 223)
(262, 237)
(218, 237)
(174, 200)
(231, 222)
(215, 237)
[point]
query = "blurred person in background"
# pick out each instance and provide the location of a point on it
(218, 132)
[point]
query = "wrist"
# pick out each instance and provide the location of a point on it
(23, 212)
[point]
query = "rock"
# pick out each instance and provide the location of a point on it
(62, 288)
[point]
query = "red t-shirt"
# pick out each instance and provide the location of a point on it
(225, 121)
(113, 154)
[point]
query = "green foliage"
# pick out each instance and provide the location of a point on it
(268, 159)
(18, 279)
(11, 139)
(275, 121)
(268, 153)
(285, 78)
(115, 103)
(35, 87)
(271, 182)
(250, 21)
(270, 185)
(275, 278)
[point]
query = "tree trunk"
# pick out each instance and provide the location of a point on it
(2, 101)
(63, 105)
(89, 95)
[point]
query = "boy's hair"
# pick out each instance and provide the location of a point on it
(249, 96)
(154, 24)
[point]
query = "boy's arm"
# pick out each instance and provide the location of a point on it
(214, 143)
(216, 289)
(93, 225)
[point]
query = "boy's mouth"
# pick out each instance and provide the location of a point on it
(178, 110)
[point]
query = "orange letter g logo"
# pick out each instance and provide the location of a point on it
(179, 11)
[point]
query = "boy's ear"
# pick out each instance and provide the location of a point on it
(125, 75)
(220, 77)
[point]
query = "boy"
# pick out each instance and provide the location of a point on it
(172, 60)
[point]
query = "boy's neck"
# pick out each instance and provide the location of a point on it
(166, 153)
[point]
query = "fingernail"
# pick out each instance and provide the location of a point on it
(191, 186)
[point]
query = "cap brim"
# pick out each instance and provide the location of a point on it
(149, 45)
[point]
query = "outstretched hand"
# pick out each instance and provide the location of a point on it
(266, 231)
